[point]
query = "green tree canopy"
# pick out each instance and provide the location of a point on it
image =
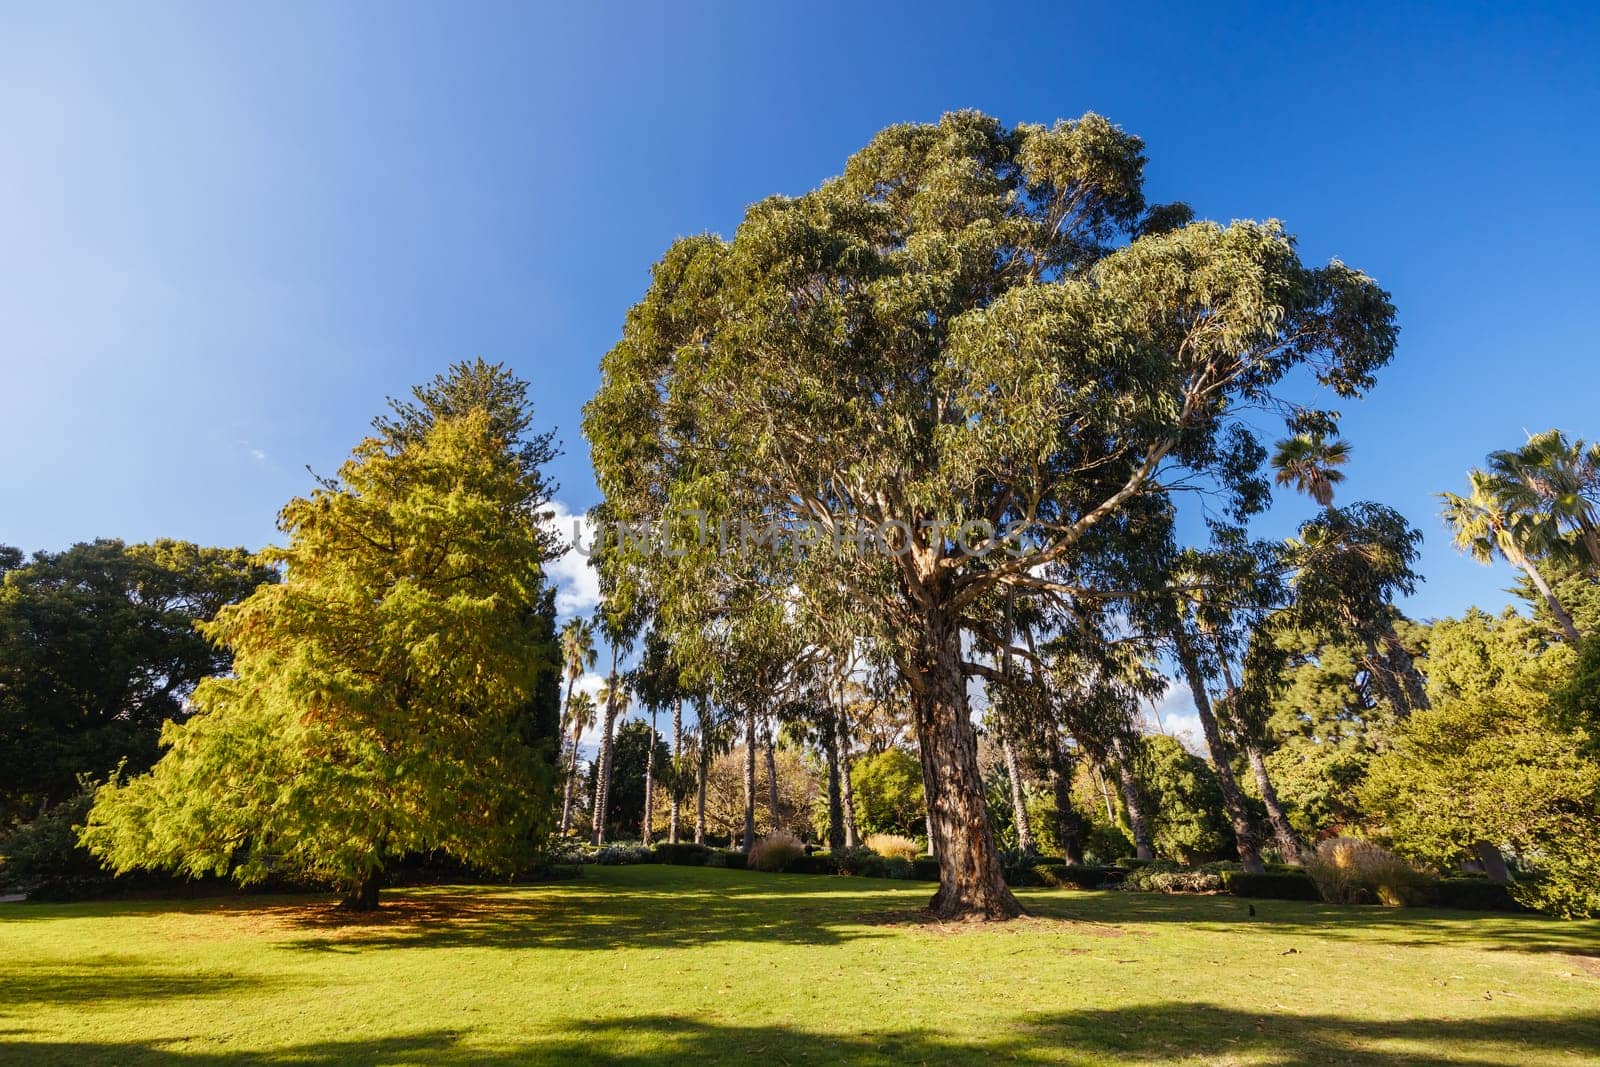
(383, 695)
(98, 647)
(972, 326)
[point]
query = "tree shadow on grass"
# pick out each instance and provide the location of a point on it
(1371, 924)
(98, 980)
(664, 909)
(1152, 1033)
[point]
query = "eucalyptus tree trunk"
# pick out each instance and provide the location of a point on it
(1019, 799)
(830, 751)
(1105, 794)
(676, 815)
(772, 775)
(1069, 826)
(749, 779)
(970, 881)
(700, 775)
(1244, 831)
(1383, 674)
(1282, 833)
(847, 791)
(648, 830)
(1132, 803)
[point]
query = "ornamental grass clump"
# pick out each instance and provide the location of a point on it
(1348, 870)
(776, 851)
(893, 846)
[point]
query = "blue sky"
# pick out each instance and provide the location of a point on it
(227, 233)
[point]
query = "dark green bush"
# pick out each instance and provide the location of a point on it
(683, 854)
(1273, 885)
(43, 859)
(815, 863)
(860, 862)
(896, 867)
(1475, 894)
(925, 869)
(1064, 876)
(732, 859)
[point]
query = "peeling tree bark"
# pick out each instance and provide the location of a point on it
(1244, 830)
(1128, 785)
(971, 885)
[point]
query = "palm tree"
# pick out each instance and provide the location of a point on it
(1555, 478)
(1349, 565)
(1310, 463)
(613, 696)
(1486, 523)
(581, 712)
(577, 656)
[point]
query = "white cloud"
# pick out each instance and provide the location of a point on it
(577, 583)
(1173, 713)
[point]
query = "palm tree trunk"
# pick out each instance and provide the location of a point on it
(676, 814)
(602, 777)
(572, 768)
(1019, 801)
(1244, 831)
(847, 792)
(649, 785)
(772, 776)
(749, 779)
(1562, 618)
(572, 776)
(1128, 785)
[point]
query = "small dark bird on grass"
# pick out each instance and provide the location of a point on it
(1252, 908)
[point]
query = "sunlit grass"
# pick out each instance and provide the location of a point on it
(642, 964)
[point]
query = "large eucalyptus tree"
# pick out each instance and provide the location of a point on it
(972, 327)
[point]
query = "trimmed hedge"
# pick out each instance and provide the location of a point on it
(732, 859)
(925, 869)
(683, 854)
(1474, 894)
(1078, 876)
(1273, 885)
(815, 863)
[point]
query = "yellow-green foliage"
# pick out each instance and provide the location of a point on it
(378, 692)
(893, 846)
(1348, 870)
(776, 851)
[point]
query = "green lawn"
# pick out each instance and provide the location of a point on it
(646, 964)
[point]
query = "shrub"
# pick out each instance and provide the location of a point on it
(1106, 844)
(859, 861)
(893, 846)
(897, 867)
(43, 857)
(683, 854)
(1476, 894)
(1164, 876)
(1064, 876)
(1272, 885)
(812, 863)
(730, 858)
(925, 869)
(776, 851)
(619, 855)
(1348, 870)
